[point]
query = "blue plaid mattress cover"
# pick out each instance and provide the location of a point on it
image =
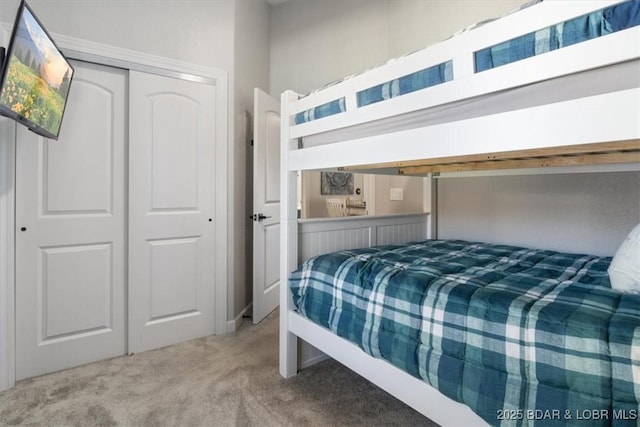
(582, 28)
(524, 337)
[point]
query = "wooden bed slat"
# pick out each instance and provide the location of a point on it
(537, 162)
(571, 155)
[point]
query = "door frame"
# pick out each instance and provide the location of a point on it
(111, 56)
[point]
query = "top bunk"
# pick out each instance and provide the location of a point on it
(553, 84)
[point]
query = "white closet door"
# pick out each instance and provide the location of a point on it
(171, 229)
(70, 242)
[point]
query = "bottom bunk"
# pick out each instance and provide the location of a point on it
(520, 336)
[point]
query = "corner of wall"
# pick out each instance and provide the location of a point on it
(250, 70)
(7, 239)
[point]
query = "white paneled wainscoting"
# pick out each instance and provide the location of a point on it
(323, 235)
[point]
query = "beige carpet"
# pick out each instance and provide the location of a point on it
(228, 380)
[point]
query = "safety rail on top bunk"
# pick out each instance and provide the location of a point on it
(458, 53)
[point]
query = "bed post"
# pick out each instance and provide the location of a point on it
(288, 237)
(433, 215)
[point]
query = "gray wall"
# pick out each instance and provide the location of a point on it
(251, 67)
(412, 195)
(314, 42)
(583, 213)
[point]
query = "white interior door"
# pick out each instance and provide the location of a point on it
(266, 205)
(171, 230)
(70, 242)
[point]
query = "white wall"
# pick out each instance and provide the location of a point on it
(315, 42)
(199, 32)
(414, 24)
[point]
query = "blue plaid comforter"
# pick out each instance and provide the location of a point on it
(523, 337)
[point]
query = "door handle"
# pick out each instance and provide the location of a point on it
(259, 217)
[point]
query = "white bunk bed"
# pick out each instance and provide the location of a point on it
(574, 107)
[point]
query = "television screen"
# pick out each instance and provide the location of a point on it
(35, 77)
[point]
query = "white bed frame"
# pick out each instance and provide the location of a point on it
(541, 118)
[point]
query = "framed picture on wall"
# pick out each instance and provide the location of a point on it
(336, 183)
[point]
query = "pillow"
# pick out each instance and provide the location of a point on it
(624, 271)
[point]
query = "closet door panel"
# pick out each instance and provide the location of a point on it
(71, 237)
(171, 203)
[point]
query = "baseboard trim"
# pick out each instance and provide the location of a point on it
(313, 360)
(233, 325)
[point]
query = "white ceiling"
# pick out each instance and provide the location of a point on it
(276, 1)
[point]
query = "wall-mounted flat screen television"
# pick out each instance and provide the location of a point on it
(35, 77)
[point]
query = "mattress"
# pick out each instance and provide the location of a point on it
(521, 336)
(409, 83)
(597, 24)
